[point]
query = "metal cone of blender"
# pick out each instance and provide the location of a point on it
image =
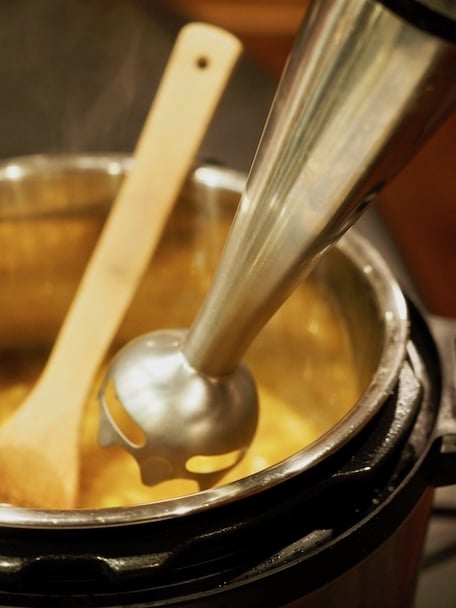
(361, 90)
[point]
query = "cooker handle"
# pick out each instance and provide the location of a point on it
(442, 459)
(74, 569)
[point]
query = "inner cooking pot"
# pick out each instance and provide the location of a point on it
(52, 210)
(340, 517)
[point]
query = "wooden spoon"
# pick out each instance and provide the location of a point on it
(39, 444)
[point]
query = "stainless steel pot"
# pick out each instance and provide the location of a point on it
(329, 519)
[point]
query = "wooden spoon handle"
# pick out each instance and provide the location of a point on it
(196, 74)
(39, 443)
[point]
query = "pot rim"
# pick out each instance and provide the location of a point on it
(389, 300)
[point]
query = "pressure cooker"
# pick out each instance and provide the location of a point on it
(340, 522)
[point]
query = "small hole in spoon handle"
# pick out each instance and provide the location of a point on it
(202, 62)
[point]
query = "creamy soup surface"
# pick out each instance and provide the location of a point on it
(302, 360)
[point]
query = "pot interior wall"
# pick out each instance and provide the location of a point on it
(41, 265)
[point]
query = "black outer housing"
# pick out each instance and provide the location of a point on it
(420, 14)
(264, 551)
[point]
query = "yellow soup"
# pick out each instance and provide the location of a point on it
(306, 382)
